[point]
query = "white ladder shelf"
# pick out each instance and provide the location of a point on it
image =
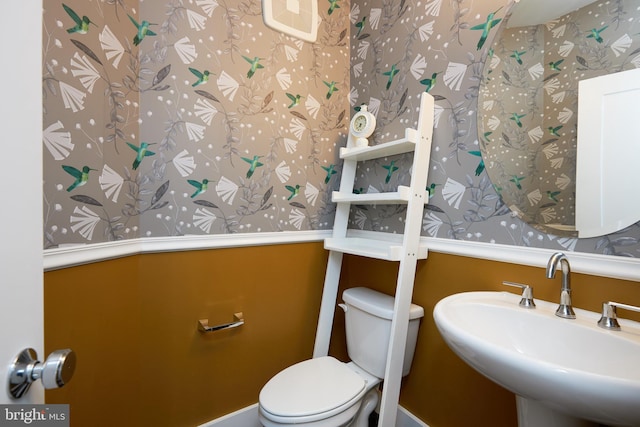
(406, 252)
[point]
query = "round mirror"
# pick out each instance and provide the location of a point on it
(528, 100)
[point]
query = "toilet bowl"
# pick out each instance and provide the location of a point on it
(325, 392)
(320, 392)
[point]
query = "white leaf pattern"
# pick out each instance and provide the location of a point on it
(548, 214)
(558, 31)
(437, 113)
(203, 219)
(226, 190)
(284, 78)
(453, 192)
(565, 115)
(374, 17)
(535, 134)
(291, 53)
(290, 145)
(58, 143)
(536, 71)
(488, 104)
(184, 163)
(312, 105)
(534, 197)
(195, 132)
(565, 48)
(621, 45)
(558, 97)
(353, 96)
(354, 13)
(80, 66)
(551, 86)
(227, 85)
(186, 50)
(454, 76)
(563, 181)
(297, 128)
(426, 31)
(296, 218)
(557, 162)
(111, 183)
(431, 224)
(196, 21)
(205, 110)
(72, 98)
(85, 222)
(283, 172)
(418, 66)
(493, 123)
(208, 6)
(374, 106)
(363, 48)
(311, 193)
(111, 46)
(550, 150)
(360, 218)
(569, 243)
(495, 61)
(433, 8)
(357, 69)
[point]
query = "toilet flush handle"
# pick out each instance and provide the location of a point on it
(343, 307)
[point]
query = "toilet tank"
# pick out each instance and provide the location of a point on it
(368, 315)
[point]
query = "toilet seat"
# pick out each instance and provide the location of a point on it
(312, 390)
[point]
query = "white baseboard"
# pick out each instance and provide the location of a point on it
(248, 417)
(245, 417)
(407, 419)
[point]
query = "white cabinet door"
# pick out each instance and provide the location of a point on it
(21, 292)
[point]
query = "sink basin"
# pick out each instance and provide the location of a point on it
(569, 368)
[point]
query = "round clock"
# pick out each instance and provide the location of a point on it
(363, 124)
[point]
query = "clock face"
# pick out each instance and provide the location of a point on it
(360, 123)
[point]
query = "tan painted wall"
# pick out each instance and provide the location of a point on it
(133, 324)
(441, 389)
(141, 361)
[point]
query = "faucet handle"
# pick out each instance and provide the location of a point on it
(609, 318)
(527, 294)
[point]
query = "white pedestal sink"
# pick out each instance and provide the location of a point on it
(565, 373)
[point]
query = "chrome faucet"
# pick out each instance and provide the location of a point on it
(564, 310)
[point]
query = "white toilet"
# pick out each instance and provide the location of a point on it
(324, 392)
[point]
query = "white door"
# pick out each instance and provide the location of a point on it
(21, 300)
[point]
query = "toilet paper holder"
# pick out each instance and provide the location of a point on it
(238, 320)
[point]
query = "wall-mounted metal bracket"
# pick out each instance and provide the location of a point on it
(238, 320)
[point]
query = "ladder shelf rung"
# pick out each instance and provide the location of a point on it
(401, 196)
(404, 145)
(371, 248)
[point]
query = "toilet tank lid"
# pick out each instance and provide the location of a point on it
(376, 303)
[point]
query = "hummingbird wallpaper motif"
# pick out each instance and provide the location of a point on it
(400, 49)
(187, 117)
(177, 117)
(529, 104)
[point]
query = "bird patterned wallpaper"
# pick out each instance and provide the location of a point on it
(402, 48)
(192, 117)
(167, 118)
(529, 100)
